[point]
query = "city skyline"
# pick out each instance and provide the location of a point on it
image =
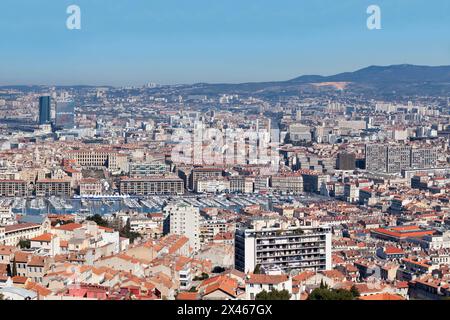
(178, 43)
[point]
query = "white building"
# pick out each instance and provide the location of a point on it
(183, 219)
(271, 245)
(256, 283)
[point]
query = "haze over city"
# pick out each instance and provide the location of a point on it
(170, 42)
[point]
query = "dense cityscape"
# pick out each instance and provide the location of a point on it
(310, 191)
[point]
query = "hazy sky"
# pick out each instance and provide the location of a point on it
(132, 42)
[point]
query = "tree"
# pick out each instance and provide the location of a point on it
(127, 233)
(24, 243)
(257, 269)
(273, 295)
(2, 297)
(98, 219)
(355, 292)
(325, 293)
(14, 268)
(202, 277)
(218, 269)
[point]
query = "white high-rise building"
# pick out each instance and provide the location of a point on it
(184, 219)
(275, 246)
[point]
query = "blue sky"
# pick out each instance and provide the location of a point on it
(132, 42)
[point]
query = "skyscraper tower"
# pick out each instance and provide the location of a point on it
(44, 110)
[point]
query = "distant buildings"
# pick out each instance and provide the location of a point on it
(44, 110)
(65, 115)
(299, 132)
(387, 158)
(345, 161)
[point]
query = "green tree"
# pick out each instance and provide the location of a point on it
(202, 277)
(218, 269)
(257, 269)
(355, 292)
(98, 219)
(24, 243)
(325, 293)
(273, 295)
(127, 233)
(14, 268)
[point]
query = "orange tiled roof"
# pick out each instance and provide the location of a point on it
(187, 296)
(69, 226)
(267, 279)
(382, 296)
(46, 237)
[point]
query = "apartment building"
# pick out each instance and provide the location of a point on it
(13, 188)
(241, 184)
(212, 185)
(53, 187)
(151, 185)
(90, 186)
(376, 157)
(183, 219)
(148, 169)
(312, 181)
(423, 158)
(12, 234)
(210, 228)
(272, 245)
(203, 173)
(394, 158)
(100, 158)
(291, 184)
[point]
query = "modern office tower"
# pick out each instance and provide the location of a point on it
(65, 115)
(274, 246)
(346, 161)
(183, 219)
(44, 110)
(376, 156)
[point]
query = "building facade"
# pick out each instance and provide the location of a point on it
(282, 247)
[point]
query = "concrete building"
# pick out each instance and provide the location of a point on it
(272, 246)
(346, 161)
(183, 219)
(13, 188)
(148, 169)
(287, 184)
(53, 187)
(151, 185)
(386, 158)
